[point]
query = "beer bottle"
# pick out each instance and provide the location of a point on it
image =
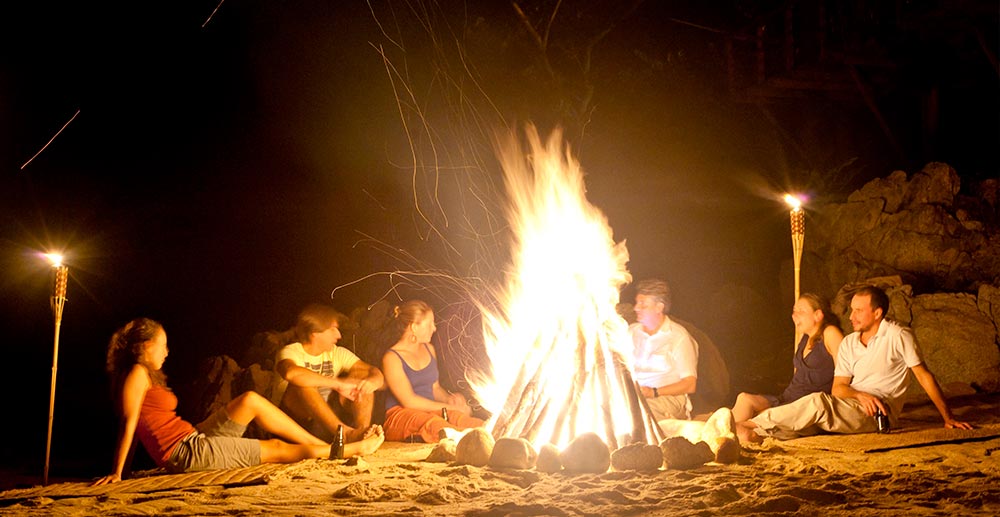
(338, 443)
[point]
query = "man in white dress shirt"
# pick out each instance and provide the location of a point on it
(665, 356)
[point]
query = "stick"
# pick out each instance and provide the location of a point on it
(638, 420)
(604, 395)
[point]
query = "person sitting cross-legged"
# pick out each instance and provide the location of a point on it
(324, 379)
(416, 399)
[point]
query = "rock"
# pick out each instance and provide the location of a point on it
(443, 452)
(475, 448)
(679, 453)
(727, 450)
(720, 435)
(586, 453)
(920, 229)
(956, 340)
(548, 459)
(513, 453)
(713, 375)
(936, 184)
(637, 456)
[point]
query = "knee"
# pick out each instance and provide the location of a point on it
(249, 398)
(743, 399)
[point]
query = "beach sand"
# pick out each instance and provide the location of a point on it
(798, 477)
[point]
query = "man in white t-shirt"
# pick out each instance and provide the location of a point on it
(665, 356)
(327, 385)
(872, 374)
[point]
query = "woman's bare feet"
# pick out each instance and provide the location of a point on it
(370, 441)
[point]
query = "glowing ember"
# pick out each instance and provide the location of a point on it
(559, 350)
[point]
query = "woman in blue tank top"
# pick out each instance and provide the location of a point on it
(814, 360)
(416, 399)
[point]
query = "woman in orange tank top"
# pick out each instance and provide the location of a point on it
(147, 410)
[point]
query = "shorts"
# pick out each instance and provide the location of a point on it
(218, 444)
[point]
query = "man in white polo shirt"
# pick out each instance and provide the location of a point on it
(872, 374)
(665, 356)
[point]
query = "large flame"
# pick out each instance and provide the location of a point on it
(556, 344)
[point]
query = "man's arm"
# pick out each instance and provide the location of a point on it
(371, 377)
(681, 387)
(842, 389)
(304, 377)
(930, 385)
(685, 360)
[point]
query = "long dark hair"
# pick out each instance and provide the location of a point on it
(818, 303)
(125, 351)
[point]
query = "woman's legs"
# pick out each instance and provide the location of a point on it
(277, 451)
(402, 423)
(252, 406)
(461, 421)
(748, 405)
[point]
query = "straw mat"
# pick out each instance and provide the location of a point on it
(905, 437)
(242, 476)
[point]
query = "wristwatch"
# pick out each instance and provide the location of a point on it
(656, 392)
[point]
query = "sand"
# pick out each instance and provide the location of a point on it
(954, 478)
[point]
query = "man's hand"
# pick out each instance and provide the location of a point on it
(110, 478)
(951, 423)
(346, 389)
(870, 403)
(365, 387)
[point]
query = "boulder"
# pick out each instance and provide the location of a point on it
(548, 459)
(443, 452)
(587, 453)
(681, 454)
(475, 448)
(513, 453)
(637, 456)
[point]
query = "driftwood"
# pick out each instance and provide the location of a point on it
(530, 404)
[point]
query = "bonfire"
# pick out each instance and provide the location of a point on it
(559, 351)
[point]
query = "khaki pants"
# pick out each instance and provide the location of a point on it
(669, 407)
(813, 414)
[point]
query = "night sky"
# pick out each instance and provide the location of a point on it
(219, 177)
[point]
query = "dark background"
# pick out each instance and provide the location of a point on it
(219, 177)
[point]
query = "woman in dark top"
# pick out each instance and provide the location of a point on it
(814, 361)
(415, 400)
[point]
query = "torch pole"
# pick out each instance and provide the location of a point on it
(58, 302)
(798, 223)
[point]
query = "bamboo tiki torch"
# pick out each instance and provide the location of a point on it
(58, 301)
(798, 226)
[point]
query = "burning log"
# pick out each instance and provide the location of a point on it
(531, 431)
(639, 420)
(604, 395)
(527, 409)
(512, 409)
